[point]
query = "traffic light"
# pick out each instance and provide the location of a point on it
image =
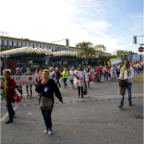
(67, 42)
(135, 40)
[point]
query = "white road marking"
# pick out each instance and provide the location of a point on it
(3, 118)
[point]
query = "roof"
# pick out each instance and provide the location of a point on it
(26, 40)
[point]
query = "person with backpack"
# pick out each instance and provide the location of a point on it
(8, 85)
(19, 73)
(47, 87)
(58, 76)
(65, 76)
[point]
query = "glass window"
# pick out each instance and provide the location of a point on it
(15, 44)
(27, 44)
(35, 45)
(1, 42)
(31, 45)
(23, 44)
(19, 44)
(38, 45)
(42, 46)
(54, 48)
(51, 48)
(10, 43)
(5, 42)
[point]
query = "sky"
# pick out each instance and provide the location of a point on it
(112, 23)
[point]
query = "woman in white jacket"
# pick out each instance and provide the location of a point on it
(80, 80)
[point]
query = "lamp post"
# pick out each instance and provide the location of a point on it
(5, 56)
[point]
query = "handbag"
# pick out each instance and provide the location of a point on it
(46, 103)
(16, 97)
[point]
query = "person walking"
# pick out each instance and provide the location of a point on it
(65, 76)
(46, 87)
(29, 86)
(113, 72)
(58, 76)
(104, 72)
(8, 84)
(129, 71)
(52, 74)
(80, 76)
(19, 73)
(71, 73)
(87, 76)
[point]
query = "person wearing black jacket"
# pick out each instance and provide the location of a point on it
(29, 73)
(46, 87)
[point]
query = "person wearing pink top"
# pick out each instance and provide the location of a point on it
(99, 71)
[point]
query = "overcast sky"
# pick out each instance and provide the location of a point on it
(109, 22)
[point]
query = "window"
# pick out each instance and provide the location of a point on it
(1, 42)
(31, 45)
(38, 45)
(51, 48)
(42, 46)
(15, 44)
(45, 46)
(19, 44)
(23, 44)
(35, 45)
(10, 43)
(5, 42)
(54, 48)
(27, 44)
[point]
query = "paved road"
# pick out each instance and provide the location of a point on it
(94, 119)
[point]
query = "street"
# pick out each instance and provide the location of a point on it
(96, 119)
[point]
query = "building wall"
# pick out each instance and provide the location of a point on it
(13, 64)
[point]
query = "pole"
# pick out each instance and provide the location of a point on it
(5, 61)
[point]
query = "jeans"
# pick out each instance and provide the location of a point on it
(47, 118)
(65, 80)
(128, 87)
(9, 108)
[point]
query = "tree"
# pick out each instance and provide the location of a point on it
(123, 53)
(100, 48)
(85, 50)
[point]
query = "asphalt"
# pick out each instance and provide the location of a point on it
(96, 119)
(81, 123)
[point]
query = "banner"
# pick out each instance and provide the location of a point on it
(116, 60)
(25, 80)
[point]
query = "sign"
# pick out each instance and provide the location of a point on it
(141, 49)
(116, 60)
(30, 61)
(25, 79)
(136, 57)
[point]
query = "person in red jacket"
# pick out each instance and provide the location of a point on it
(8, 85)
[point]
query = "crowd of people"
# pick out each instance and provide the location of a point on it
(79, 77)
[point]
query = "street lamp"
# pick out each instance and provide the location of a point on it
(5, 56)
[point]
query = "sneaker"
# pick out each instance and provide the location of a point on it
(27, 95)
(50, 132)
(45, 131)
(9, 121)
(120, 106)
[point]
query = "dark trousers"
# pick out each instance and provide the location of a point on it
(9, 108)
(30, 88)
(65, 80)
(58, 83)
(19, 88)
(47, 118)
(80, 91)
(71, 82)
(118, 74)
